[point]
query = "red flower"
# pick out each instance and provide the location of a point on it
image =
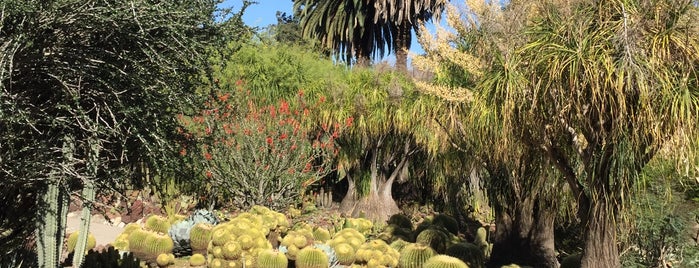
(321, 99)
(283, 136)
(224, 97)
(269, 140)
(183, 152)
(348, 121)
(207, 156)
(284, 107)
(209, 174)
(301, 92)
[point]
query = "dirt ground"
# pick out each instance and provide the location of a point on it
(104, 233)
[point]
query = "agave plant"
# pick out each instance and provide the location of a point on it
(179, 232)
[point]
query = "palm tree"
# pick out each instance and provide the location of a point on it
(345, 27)
(404, 16)
(365, 29)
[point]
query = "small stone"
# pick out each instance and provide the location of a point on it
(121, 224)
(71, 214)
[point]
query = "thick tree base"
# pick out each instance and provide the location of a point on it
(375, 207)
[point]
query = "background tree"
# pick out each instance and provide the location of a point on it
(603, 85)
(365, 29)
(90, 89)
(518, 184)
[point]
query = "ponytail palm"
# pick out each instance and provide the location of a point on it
(607, 84)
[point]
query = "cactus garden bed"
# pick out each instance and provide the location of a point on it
(261, 237)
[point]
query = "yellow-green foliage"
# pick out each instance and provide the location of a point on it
(377, 253)
(200, 236)
(481, 240)
(73, 239)
(415, 255)
(157, 223)
(238, 241)
(197, 260)
(310, 257)
(271, 259)
(469, 253)
(444, 261)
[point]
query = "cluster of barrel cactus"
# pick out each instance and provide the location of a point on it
(250, 239)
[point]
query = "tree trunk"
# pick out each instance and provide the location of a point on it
(524, 235)
(401, 44)
(600, 249)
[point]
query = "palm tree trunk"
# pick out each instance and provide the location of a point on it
(401, 44)
(600, 249)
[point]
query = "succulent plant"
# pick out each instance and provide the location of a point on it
(433, 237)
(446, 221)
(180, 232)
(157, 223)
(73, 238)
(345, 253)
(310, 257)
(401, 221)
(469, 253)
(231, 250)
(415, 255)
(197, 260)
(444, 261)
(163, 260)
(272, 259)
(399, 244)
(200, 236)
(377, 253)
(321, 234)
(571, 261)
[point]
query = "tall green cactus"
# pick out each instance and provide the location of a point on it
(88, 198)
(88, 195)
(49, 232)
(51, 229)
